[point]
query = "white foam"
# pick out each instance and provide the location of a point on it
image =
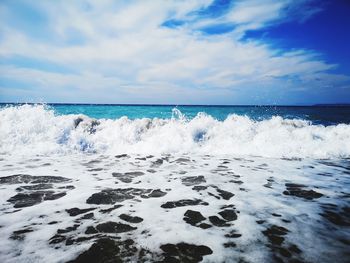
(252, 201)
(30, 129)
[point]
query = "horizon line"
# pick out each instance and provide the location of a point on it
(184, 105)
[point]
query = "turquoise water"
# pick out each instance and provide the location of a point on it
(325, 115)
(318, 115)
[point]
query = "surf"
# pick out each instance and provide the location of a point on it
(39, 130)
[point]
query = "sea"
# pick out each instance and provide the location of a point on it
(174, 183)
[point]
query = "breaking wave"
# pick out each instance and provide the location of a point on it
(35, 129)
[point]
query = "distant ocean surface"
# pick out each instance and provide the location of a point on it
(326, 115)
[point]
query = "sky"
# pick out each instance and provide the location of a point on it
(286, 52)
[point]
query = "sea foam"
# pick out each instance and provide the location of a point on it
(36, 129)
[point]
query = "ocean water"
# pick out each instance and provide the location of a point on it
(325, 115)
(292, 132)
(174, 183)
(316, 114)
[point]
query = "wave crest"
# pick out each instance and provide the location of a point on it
(35, 129)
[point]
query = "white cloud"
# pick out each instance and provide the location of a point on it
(125, 49)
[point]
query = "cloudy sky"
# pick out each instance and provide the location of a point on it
(175, 52)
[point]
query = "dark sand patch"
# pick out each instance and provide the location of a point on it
(299, 191)
(183, 252)
(183, 202)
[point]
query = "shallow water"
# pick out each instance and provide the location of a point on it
(251, 209)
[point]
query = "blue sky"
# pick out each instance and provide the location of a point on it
(175, 52)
